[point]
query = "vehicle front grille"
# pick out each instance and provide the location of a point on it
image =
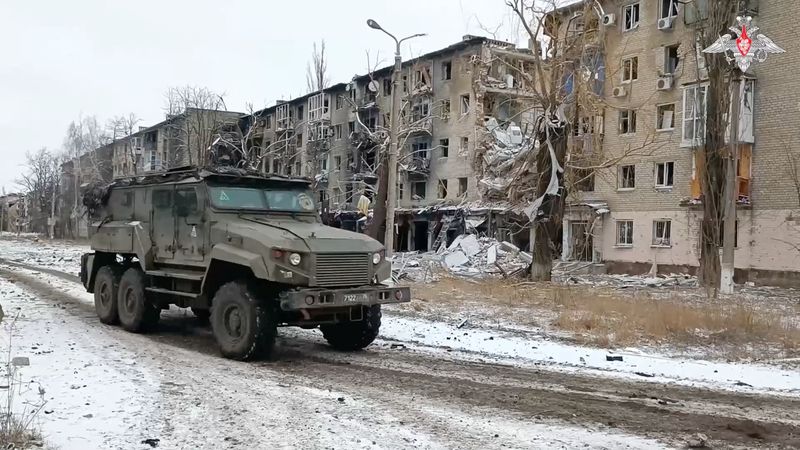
(342, 269)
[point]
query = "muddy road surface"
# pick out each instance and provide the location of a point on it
(391, 395)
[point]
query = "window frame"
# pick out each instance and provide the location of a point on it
(444, 145)
(414, 190)
(662, 242)
(667, 184)
(631, 128)
(658, 116)
(441, 187)
(696, 118)
(630, 69)
(621, 178)
(447, 70)
(661, 9)
(629, 232)
(638, 7)
(464, 101)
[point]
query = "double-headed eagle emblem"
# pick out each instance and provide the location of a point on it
(744, 49)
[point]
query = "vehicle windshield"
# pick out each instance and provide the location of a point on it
(282, 199)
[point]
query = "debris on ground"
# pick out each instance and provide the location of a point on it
(627, 281)
(699, 440)
(468, 255)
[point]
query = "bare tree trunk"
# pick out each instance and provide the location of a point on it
(548, 225)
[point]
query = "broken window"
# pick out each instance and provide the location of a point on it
(445, 109)
(268, 122)
(323, 163)
(337, 162)
(335, 194)
(418, 189)
(662, 230)
(299, 139)
(442, 191)
(337, 131)
(447, 70)
(584, 180)
(463, 147)
(401, 191)
(666, 114)
(669, 8)
(665, 174)
(625, 233)
(351, 127)
(339, 102)
(670, 59)
(465, 104)
(387, 87)
(694, 115)
(300, 112)
(420, 111)
(627, 177)
(405, 83)
(630, 13)
(630, 69)
(422, 76)
(419, 149)
(627, 121)
(444, 144)
(462, 187)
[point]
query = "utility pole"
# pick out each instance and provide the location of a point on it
(394, 130)
(731, 194)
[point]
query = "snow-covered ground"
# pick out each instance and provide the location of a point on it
(110, 389)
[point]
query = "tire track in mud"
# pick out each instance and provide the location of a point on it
(402, 377)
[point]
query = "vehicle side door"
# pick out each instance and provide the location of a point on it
(190, 233)
(162, 222)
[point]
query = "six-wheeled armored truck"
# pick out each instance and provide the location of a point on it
(246, 251)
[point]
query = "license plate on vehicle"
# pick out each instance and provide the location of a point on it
(356, 298)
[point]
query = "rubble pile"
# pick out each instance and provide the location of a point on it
(468, 255)
(629, 281)
(507, 149)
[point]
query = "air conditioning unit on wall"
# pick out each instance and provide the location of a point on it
(609, 20)
(664, 83)
(665, 23)
(619, 91)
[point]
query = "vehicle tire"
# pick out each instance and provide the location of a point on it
(243, 324)
(202, 315)
(349, 336)
(106, 287)
(136, 312)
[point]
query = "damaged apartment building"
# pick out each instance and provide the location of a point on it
(449, 96)
(645, 209)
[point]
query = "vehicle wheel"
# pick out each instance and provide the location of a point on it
(136, 312)
(202, 314)
(106, 286)
(243, 324)
(350, 336)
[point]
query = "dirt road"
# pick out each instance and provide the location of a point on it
(386, 397)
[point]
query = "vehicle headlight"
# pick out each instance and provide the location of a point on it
(294, 259)
(376, 258)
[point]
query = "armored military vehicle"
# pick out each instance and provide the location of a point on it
(246, 251)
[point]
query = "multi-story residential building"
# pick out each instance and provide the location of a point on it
(644, 210)
(179, 140)
(335, 134)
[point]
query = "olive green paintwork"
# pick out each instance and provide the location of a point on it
(147, 221)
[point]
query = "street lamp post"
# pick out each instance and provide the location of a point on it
(394, 119)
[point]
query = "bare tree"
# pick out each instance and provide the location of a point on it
(712, 150)
(317, 69)
(124, 126)
(195, 117)
(41, 182)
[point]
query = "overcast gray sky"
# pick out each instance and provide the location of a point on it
(60, 59)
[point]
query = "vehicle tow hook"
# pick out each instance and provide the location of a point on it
(306, 315)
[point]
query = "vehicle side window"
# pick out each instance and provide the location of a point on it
(185, 202)
(162, 198)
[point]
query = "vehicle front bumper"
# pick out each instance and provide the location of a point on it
(313, 298)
